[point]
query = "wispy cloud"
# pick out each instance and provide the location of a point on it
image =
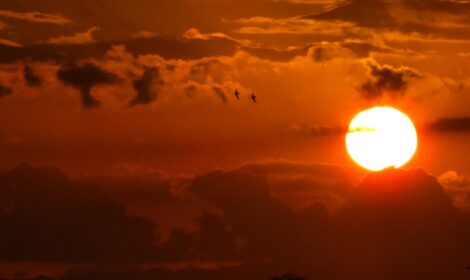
(10, 43)
(294, 25)
(144, 34)
(77, 38)
(35, 17)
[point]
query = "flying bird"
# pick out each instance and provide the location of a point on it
(237, 94)
(254, 97)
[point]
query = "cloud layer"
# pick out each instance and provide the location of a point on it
(243, 225)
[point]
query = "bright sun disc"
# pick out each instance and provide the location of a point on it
(381, 137)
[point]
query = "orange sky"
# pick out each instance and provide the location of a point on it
(144, 89)
(309, 63)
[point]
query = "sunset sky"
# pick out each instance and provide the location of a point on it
(127, 109)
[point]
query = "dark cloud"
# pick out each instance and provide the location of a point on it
(412, 16)
(248, 206)
(327, 130)
(397, 209)
(214, 241)
(4, 91)
(199, 48)
(164, 46)
(388, 212)
(232, 235)
(303, 186)
(144, 86)
(37, 17)
(456, 7)
(385, 79)
(316, 130)
(84, 77)
(49, 52)
(130, 17)
(294, 168)
(320, 54)
(363, 49)
(220, 93)
(451, 125)
(405, 217)
(150, 196)
(167, 47)
(276, 54)
(209, 271)
(326, 52)
(245, 229)
(445, 30)
(363, 12)
(31, 78)
(380, 217)
(46, 217)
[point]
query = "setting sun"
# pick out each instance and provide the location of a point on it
(381, 137)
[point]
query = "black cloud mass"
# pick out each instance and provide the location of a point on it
(50, 218)
(84, 77)
(146, 94)
(387, 80)
(451, 125)
(245, 228)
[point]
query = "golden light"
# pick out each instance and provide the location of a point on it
(381, 137)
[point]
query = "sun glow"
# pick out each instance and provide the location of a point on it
(381, 137)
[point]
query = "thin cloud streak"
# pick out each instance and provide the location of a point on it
(37, 17)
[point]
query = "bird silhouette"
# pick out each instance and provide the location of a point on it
(237, 94)
(254, 97)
